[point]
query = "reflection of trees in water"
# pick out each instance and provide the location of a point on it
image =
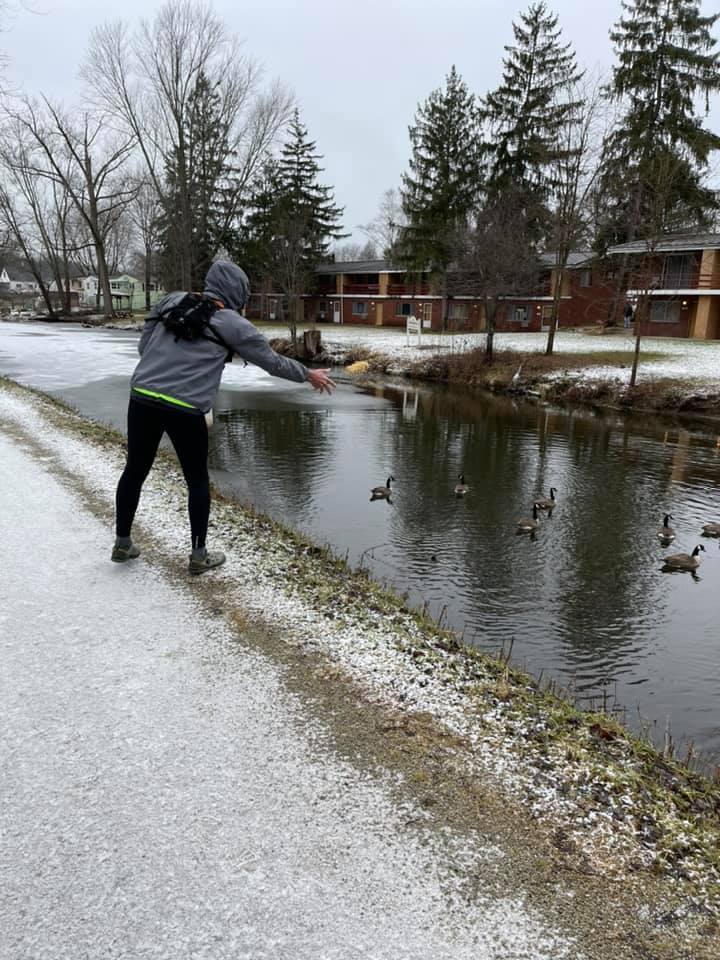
(584, 577)
(285, 450)
(606, 579)
(485, 440)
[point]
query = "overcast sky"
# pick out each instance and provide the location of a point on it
(358, 69)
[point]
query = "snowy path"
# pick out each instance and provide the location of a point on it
(164, 796)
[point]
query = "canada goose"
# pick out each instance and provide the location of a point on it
(527, 526)
(711, 530)
(684, 561)
(382, 493)
(461, 488)
(544, 504)
(666, 532)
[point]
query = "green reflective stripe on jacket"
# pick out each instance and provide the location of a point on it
(163, 396)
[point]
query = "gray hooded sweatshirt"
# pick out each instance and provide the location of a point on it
(186, 373)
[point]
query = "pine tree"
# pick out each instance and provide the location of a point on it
(665, 61)
(527, 112)
(303, 200)
(291, 220)
(192, 224)
(445, 177)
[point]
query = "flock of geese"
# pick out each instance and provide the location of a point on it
(683, 561)
(665, 534)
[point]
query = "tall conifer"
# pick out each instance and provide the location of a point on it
(445, 177)
(527, 112)
(192, 221)
(291, 221)
(666, 62)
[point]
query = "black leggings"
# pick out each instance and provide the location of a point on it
(188, 433)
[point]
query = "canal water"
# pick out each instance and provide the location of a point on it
(585, 600)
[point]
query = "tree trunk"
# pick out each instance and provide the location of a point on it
(639, 315)
(48, 301)
(311, 344)
(490, 311)
(557, 294)
(148, 278)
(67, 295)
(104, 283)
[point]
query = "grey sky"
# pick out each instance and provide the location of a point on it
(358, 69)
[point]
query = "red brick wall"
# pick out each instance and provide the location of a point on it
(590, 305)
(680, 328)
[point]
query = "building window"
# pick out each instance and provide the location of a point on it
(665, 311)
(359, 308)
(585, 278)
(678, 271)
(520, 315)
(458, 311)
(404, 309)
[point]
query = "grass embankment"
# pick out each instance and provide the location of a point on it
(557, 378)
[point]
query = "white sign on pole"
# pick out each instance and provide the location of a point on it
(412, 326)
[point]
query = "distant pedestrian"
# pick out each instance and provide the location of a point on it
(628, 315)
(185, 343)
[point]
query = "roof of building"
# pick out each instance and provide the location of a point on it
(670, 243)
(18, 274)
(359, 266)
(575, 258)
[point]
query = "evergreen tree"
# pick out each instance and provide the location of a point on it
(252, 244)
(291, 221)
(665, 61)
(527, 112)
(303, 200)
(445, 178)
(192, 223)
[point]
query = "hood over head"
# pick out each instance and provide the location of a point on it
(227, 282)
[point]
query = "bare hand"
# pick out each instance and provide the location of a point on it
(319, 380)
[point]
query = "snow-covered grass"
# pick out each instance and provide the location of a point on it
(689, 360)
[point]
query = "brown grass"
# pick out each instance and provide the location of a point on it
(473, 368)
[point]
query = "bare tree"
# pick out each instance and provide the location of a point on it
(573, 173)
(144, 213)
(146, 80)
(383, 231)
(496, 261)
(83, 157)
(659, 186)
(37, 214)
(355, 251)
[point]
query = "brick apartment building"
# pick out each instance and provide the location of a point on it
(681, 275)
(376, 293)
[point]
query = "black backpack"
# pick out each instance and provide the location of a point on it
(189, 319)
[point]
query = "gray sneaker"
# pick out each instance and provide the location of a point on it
(121, 554)
(211, 559)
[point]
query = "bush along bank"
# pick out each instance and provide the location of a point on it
(612, 803)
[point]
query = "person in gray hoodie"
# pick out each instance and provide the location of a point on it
(172, 390)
